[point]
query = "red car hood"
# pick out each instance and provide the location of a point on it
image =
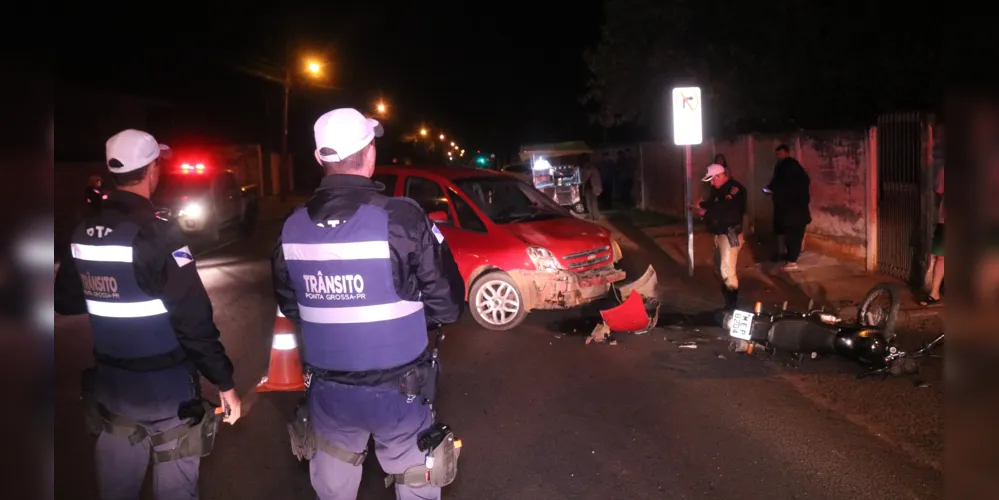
(562, 236)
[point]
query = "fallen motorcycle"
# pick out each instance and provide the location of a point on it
(869, 341)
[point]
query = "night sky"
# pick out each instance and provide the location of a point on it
(491, 75)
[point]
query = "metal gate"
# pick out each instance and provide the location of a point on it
(901, 184)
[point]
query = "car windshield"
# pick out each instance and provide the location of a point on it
(506, 200)
(174, 186)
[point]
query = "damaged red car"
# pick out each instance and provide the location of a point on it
(516, 248)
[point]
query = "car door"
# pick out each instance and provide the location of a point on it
(467, 235)
(390, 181)
(229, 199)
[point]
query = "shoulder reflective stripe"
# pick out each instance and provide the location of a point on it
(336, 251)
(280, 314)
(102, 253)
(359, 314)
(126, 309)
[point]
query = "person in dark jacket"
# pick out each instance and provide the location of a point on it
(723, 213)
(153, 332)
(364, 275)
(789, 190)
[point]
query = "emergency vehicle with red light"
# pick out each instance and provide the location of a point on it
(206, 200)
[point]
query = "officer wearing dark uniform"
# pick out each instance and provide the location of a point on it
(723, 213)
(152, 328)
(364, 275)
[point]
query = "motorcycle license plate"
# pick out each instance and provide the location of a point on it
(742, 325)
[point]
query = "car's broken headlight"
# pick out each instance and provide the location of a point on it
(616, 250)
(543, 259)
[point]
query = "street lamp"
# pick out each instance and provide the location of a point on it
(452, 144)
(313, 68)
(442, 137)
(423, 132)
(381, 107)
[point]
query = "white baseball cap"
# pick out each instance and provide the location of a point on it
(343, 132)
(713, 170)
(130, 150)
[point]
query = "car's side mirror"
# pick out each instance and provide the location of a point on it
(438, 216)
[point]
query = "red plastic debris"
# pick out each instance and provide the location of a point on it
(627, 317)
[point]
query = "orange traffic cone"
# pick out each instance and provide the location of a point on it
(285, 372)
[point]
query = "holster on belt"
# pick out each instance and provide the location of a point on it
(421, 382)
(305, 442)
(195, 435)
(733, 235)
(441, 460)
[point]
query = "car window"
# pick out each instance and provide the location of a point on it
(506, 200)
(229, 182)
(427, 193)
(389, 181)
(516, 169)
(466, 215)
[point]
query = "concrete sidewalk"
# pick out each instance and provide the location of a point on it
(837, 285)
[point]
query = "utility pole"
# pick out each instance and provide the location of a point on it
(285, 164)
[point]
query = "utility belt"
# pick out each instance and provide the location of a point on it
(195, 435)
(730, 232)
(415, 379)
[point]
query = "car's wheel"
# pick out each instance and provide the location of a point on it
(579, 208)
(496, 303)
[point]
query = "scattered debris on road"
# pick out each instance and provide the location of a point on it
(600, 333)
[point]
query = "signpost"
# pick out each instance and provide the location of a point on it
(687, 132)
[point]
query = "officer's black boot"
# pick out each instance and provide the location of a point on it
(731, 299)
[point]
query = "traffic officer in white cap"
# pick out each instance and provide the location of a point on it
(364, 274)
(723, 213)
(153, 333)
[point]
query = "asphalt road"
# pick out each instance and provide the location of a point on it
(541, 414)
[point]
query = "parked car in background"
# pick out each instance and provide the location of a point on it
(204, 200)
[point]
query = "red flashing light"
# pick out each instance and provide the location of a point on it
(187, 168)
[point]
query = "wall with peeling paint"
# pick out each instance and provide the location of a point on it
(837, 165)
(836, 162)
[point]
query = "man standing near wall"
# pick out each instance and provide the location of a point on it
(789, 189)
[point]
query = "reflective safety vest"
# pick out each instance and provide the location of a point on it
(142, 367)
(352, 317)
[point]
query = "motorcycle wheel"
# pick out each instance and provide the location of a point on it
(876, 312)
